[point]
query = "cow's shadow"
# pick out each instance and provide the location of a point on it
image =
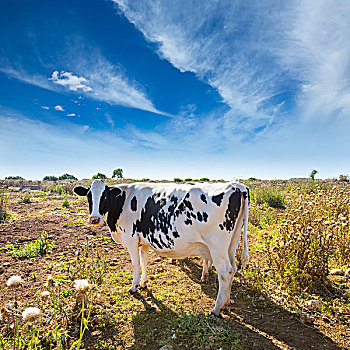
(264, 317)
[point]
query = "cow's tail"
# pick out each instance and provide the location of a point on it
(245, 253)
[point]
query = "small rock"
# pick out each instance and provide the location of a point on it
(347, 272)
(314, 305)
(338, 272)
(166, 347)
(157, 259)
(304, 317)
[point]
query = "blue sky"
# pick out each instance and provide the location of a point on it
(164, 89)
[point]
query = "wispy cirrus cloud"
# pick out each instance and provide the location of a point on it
(272, 63)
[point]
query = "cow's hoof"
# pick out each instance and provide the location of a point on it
(216, 314)
(205, 278)
(132, 291)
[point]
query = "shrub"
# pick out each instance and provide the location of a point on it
(67, 177)
(313, 235)
(176, 179)
(204, 179)
(117, 173)
(188, 179)
(99, 176)
(26, 198)
(14, 178)
(59, 189)
(65, 203)
(270, 195)
(50, 178)
(3, 205)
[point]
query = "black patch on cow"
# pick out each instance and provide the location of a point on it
(116, 200)
(203, 198)
(188, 204)
(205, 216)
(221, 227)
(176, 234)
(218, 199)
(234, 206)
(154, 219)
(188, 222)
(193, 215)
(199, 216)
(133, 204)
(188, 214)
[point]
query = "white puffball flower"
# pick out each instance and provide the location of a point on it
(31, 314)
(82, 286)
(45, 295)
(14, 281)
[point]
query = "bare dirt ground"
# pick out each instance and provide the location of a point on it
(143, 321)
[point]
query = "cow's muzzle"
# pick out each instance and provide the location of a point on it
(95, 220)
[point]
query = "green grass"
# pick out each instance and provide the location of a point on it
(199, 331)
(269, 195)
(39, 247)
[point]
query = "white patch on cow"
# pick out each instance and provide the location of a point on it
(96, 189)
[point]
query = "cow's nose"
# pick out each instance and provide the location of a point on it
(94, 220)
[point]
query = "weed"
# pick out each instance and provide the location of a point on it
(26, 198)
(39, 247)
(65, 203)
(3, 205)
(200, 331)
(268, 194)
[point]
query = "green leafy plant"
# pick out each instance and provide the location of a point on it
(3, 205)
(26, 198)
(99, 176)
(66, 203)
(40, 246)
(117, 173)
(177, 179)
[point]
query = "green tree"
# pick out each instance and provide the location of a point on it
(50, 178)
(67, 177)
(100, 176)
(117, 173)
(313, 173)
(14, 178)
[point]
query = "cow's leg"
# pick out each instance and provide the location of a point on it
(144, 253)
(205, 271)
(132, 246)
(224, 269)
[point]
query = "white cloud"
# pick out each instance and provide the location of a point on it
(45, 107)
(71, 115)
(95, 77)
(59, 108)
(73, 82)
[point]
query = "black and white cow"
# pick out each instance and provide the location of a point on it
(176, 221)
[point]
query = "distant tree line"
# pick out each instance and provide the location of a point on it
(62, 177)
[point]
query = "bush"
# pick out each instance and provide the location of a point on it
(65, 203)
(313, 235)
(117, 173)
(26, 198)
(187, 179)
(50, 178)
(270, 195)
(59, 189)
(204, 179)
(176, 179)
(14, 178)
(67, 177)
(3, 206)
(99, 176)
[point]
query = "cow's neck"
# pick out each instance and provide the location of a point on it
(116, 204)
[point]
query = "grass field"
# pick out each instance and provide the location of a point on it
(294, 295)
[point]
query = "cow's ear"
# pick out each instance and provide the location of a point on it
(81, 191)
(114, 191)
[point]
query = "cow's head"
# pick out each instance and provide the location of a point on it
(100, 198)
